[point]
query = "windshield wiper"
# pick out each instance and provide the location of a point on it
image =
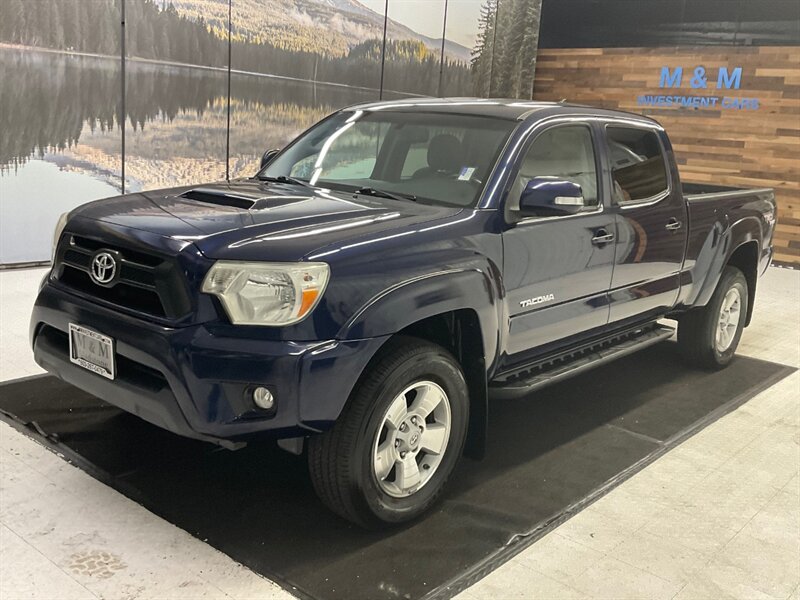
(286, 179)
(371, 191)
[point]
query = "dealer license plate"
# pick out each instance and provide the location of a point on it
(91, 350)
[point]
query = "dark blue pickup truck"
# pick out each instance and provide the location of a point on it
(387, 273)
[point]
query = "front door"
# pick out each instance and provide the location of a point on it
(557, 269)
(651, 225)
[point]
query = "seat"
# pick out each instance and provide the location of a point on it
(445, 157)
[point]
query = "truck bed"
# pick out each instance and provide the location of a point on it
(708, 191)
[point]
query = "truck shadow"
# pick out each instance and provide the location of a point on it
(545, 453)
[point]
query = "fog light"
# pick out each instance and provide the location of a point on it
(263, 398)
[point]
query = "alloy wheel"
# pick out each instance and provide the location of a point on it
(412, 439)
(728, 322)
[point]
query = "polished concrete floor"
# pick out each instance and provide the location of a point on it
(718, 517)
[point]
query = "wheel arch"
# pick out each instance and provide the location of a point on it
(459, 332)
(745, 258)
(458, 309)
(740, 246)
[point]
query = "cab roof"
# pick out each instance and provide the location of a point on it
(504, 108)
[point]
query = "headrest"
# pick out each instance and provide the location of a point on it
(445, 153)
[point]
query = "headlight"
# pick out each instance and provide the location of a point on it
(256, 293)
(60, 224)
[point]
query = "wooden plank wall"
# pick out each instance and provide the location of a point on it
(746, 148)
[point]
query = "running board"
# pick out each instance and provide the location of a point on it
(527, 379)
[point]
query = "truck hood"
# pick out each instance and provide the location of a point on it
(253, 220)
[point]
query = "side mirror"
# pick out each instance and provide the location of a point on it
(551, 196)
(268, 156)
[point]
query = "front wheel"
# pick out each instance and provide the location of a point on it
(708, 336)
(390, 453)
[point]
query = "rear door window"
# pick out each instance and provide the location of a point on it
(638, 168)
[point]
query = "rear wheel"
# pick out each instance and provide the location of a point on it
(390, 453)
(708, 336)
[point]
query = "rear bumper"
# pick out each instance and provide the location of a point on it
(195, 383)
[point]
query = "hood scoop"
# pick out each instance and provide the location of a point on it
(239, 200)
(211, 196)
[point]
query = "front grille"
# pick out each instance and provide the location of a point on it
(146, 283)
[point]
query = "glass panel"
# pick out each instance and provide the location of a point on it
(60, 141)
(177, 99)
(637, 164)
(291, 71)
(504, 58)
(413, 48)
(462, 31)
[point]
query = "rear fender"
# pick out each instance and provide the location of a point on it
(715, 256)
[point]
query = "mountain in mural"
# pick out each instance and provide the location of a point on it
(296, 24)
(157, 30)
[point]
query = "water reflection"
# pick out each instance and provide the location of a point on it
(57, 103)
(63, 110)
(32, 200)
(48, 99)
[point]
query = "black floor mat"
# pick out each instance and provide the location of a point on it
(548, 456)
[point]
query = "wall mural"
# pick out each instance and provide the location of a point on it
(292, 62)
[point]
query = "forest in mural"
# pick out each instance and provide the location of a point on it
(504, 58)
(63, 24)
(502, 62)
(161, 32)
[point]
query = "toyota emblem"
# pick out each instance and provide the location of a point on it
(104, 268)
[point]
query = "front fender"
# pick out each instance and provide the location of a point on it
(418, 298)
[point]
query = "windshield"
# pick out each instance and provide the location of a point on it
(433, 158)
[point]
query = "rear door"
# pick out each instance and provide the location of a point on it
(557, 269)
(651, 224)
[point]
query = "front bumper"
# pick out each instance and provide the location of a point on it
(195, 383)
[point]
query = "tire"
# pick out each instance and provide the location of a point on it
(343, 462)
(699, 337)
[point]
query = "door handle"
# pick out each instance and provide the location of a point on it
(602, 237)
(673, 224)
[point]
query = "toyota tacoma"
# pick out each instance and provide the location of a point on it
(382, 277)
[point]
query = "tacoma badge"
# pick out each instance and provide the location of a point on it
(537, 300)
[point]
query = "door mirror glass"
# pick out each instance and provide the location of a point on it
(548, 196)
(268, 156)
